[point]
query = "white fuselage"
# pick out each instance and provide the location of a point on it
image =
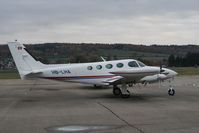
(91, 73)
(98, 73)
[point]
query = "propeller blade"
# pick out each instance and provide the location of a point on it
(161, 70)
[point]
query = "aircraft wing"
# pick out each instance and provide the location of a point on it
(114, 79)
(135, 75)
(129, 76)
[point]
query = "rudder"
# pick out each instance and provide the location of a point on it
(24, 61)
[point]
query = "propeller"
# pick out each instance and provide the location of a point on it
(161, 70)
(173, 78)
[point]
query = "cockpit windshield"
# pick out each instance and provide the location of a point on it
(141, 64)
(132, 64)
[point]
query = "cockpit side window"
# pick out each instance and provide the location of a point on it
(141, 64)
(132, 64)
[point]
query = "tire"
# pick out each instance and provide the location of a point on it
(171, 92)
(116, 91)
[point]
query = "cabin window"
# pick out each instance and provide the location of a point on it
(141, 64)
(109, 66)
(89, 67)
(99, 67)
(133, 64)
(120, 65)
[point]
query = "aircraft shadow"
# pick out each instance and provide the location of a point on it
(92, 88)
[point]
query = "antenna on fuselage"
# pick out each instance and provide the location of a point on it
(102, 58)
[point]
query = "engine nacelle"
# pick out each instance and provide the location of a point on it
(154, 78)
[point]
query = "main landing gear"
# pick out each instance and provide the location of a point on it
(123, 91)
(171, 91)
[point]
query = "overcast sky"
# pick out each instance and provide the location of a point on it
(103, 21)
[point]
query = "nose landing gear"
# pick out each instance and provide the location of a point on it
(171, 91)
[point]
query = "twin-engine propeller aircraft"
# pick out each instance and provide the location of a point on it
(119, 73)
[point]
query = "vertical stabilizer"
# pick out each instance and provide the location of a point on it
(24, 61)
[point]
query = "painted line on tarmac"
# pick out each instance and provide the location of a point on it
(126, 122)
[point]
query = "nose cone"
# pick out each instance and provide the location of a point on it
(156, 70)
(169, 72)
(173, 73)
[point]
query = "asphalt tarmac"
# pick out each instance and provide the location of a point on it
(53, 107)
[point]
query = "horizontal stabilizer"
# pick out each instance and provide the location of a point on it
(31, 75)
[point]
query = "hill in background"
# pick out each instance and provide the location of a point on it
(86, 52)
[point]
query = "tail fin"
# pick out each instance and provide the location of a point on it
(25, 63)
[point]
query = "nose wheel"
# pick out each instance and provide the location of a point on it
(171, 91)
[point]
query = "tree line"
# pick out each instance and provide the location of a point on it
(191, 59)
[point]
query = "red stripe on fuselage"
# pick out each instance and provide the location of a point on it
(76, 77)
(134, 72)
(165, 73)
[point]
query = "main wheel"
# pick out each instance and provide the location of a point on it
(116, 91)
(171, 92)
